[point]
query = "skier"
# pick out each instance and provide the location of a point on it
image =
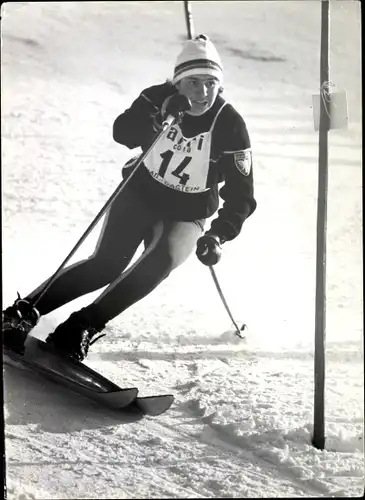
(165, 204)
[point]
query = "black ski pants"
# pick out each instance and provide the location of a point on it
(128, 223)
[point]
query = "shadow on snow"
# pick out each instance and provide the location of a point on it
(31, 399)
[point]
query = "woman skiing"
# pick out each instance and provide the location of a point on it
(165, 204)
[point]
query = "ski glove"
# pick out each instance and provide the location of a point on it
(174, 105)
(209, 249)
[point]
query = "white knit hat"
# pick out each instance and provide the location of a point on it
(198, 56)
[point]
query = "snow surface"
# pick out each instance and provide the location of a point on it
(242, 422)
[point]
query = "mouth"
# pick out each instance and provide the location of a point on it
(199, 106)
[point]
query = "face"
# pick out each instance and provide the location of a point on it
(201, 90)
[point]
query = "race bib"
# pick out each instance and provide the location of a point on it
(179, 163)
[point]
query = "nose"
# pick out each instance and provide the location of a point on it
(201, 90)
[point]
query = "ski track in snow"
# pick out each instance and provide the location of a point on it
(241, 423)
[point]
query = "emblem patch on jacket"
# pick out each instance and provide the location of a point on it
(243, 161)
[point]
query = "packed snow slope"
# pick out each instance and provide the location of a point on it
(242, 421)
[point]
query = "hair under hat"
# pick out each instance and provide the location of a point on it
(198, 56)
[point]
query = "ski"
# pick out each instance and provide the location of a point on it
(115, 399)
(154, 405)
(76, 376)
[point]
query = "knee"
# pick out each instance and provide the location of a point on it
(165, 262)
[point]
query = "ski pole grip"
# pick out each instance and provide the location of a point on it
(168, 122)
(175, 109)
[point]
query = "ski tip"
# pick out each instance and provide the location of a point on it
(154, 405)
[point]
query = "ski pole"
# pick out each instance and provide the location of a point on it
(182, 104)
(239, 330)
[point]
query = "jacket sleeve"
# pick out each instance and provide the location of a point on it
(137, 125)
(235, 165)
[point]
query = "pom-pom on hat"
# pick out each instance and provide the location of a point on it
(198, 56)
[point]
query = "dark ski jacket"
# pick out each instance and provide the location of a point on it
(136, 127)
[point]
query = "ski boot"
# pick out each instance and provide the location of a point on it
(18, 320)
(73, 338)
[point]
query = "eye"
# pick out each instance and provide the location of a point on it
(211, 84)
